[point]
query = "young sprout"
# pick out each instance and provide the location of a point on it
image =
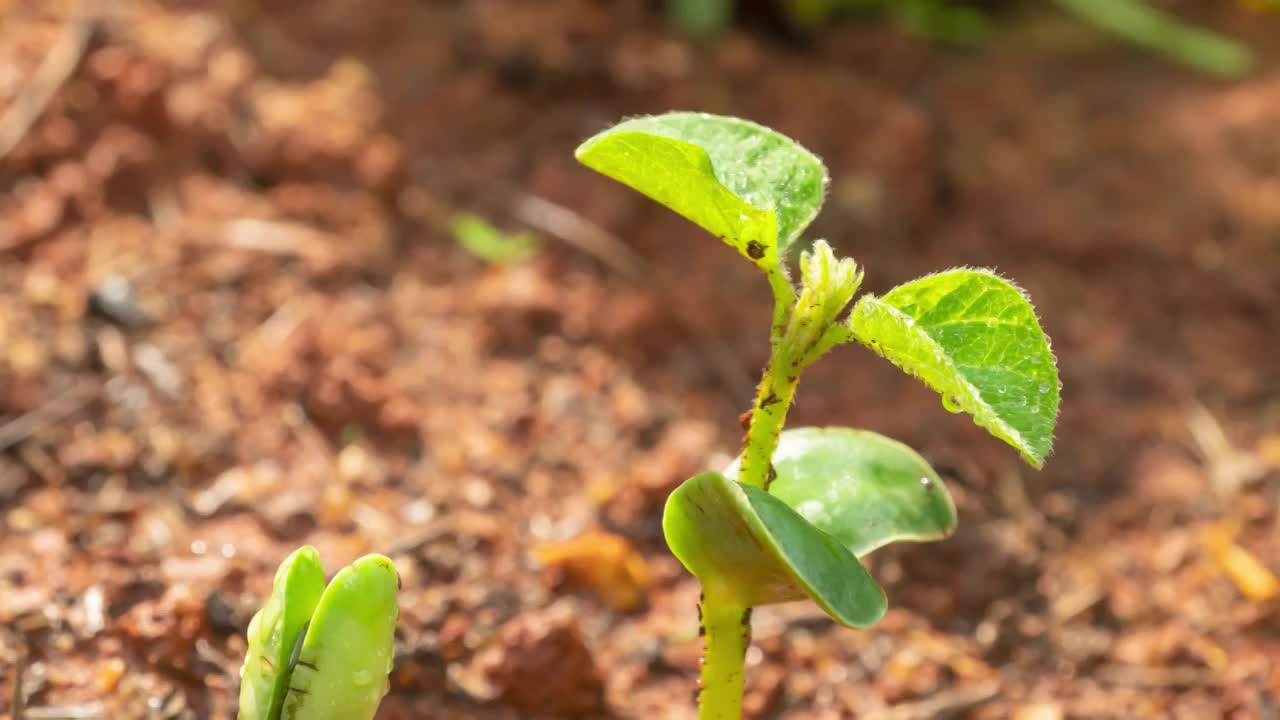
(321, 653)
(480, 238)
(791, 516)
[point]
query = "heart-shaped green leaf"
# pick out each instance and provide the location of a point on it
(274, 633)
(341, 670)
(748, 548)
(754, 188)
(860, 487)
(973, 337)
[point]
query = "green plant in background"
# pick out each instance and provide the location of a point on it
(701, 17)
(945, 21)
(789, 519)
(480, 238)
(317, 652)
(957, 22)
(1144, 25)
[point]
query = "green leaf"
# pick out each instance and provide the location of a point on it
(274, 633)
(480, 238)
(860, 487)
(754, 188)
(1142, 24)
(748, 548)
(701, 17)
(341, 671)
(942, 21)
(974, 338)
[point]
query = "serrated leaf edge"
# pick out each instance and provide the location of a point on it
(778, 240)
(988, 419)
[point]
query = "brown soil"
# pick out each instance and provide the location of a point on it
(232, 322)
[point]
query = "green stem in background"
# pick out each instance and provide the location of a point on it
(1142, 24)
(727, 633)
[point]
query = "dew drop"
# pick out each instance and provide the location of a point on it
(361, 678)
(1044, 388)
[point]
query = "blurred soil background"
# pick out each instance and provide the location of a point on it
(233, 320)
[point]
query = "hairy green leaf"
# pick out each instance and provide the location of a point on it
(754, 188)
(748, 548)
(341, 670)
(274, 633)
(860, 487)
(973, 337)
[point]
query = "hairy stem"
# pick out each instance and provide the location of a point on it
(727, 633)
(837, 334)
(773, 396)
(768, 414)
(784, 297)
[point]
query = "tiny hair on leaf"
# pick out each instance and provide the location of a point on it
(974, 338)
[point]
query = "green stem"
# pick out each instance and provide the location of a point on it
(784, 297)
(773, 396)
(773, 399)
(837, 334)
(727, 633)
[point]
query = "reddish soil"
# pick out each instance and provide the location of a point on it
(232, 322)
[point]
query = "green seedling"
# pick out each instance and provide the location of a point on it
(791, 516)
(317, 652)
(480, 238)
(1134, 21)
(939, 19)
